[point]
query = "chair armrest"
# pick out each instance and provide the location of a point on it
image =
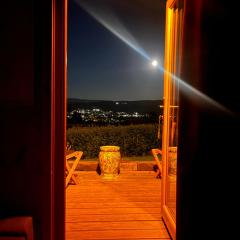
(16, 228)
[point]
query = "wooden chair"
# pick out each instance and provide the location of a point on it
(155, 152)
(71, 169)
(16, 228)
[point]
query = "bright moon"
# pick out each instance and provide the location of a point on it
(154, 63)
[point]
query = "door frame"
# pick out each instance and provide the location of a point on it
(172, 65)
(58, 117)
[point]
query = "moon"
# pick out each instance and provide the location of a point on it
(154, 63)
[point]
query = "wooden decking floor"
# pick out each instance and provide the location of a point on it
(127, 208)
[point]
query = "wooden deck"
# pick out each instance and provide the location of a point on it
(126, 208)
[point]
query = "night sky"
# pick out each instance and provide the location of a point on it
(103, 67)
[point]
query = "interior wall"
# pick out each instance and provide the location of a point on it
(209, 137)
(25, 101)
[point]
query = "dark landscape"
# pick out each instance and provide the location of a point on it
(142, 106)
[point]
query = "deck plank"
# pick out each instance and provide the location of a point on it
(118, 234)
(127, 208)
(114, 211)
(108, 225)
(76, 204)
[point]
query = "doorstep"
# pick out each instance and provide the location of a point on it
(124, 165)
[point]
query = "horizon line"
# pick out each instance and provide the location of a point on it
(107, 100)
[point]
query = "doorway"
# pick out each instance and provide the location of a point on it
(129, 205)
(62, 85)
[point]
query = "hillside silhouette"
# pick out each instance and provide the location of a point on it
(141, 106)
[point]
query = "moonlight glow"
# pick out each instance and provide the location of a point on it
(154, 63)
(123, 35)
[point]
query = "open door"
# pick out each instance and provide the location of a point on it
(173, 36)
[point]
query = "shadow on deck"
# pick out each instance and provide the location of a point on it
(126, 208)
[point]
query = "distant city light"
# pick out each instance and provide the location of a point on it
(154, 63)
(97, 115)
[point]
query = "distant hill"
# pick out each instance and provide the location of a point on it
(142, 106)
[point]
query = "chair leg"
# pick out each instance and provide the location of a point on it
(158, 175)
(71, 170)
(69, 177)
